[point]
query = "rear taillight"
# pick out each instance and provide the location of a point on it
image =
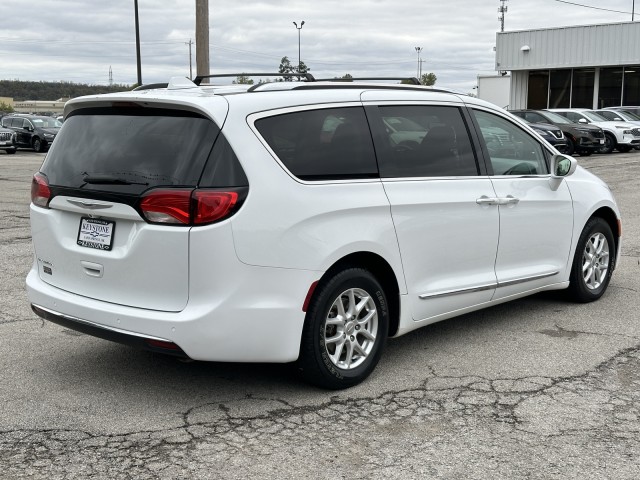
(40, 192)
(167, 206)
(188, 207)
(212, 205)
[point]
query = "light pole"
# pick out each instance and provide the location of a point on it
(135, 6)
(299, 28)
(418, 50)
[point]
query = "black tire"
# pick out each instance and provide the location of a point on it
(570, 148)
(38, 145)
(609, 143)
(11, 151)
(326, 364)
(624, 148)
(585, 153)
(594, 258)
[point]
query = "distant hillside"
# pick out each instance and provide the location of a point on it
(21, 91)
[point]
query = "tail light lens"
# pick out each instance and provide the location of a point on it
(167, 206)
(40, 192)
(211, 205)
(190, 207)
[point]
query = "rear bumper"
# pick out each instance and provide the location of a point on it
(258, 319)
(144, 342)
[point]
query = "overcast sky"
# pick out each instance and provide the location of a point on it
(78, 40)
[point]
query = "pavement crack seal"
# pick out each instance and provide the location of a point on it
(238, 437)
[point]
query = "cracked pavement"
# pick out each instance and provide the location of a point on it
(538, 388)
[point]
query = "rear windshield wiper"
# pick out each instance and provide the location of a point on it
(106, 179)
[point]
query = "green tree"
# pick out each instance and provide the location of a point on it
(428, 79)
(5, 108)
(243, 80)
(302, 68)
(285, 68)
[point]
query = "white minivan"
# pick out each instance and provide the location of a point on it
(304, 221)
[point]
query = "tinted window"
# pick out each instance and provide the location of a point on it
(425, 141)
(534, 118)
(46, 122)
(139, 148)
(322, 144)
(223, 168)
(512, 151)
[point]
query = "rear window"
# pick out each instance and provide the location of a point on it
(324, 144)
(129, 150)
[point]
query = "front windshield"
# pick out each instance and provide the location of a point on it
(629, 116)
(594, 117)
(555, 118)
(46, 122)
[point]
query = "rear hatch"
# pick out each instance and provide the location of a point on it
(94, 237)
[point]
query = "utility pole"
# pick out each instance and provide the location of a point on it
(202, 38)
(633, 10)
(190, 42)
(110, 76)
(419, 70)
(135, 5)
(502, 9)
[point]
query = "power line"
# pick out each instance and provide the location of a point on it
(590, 6)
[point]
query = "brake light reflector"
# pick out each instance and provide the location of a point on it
(40, 192)
(211, 205)
(162, 344)
(167, 206)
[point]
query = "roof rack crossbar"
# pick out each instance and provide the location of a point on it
(307, 76)
(410, 80)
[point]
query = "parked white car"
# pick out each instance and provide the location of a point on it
(622, 136)
(286, 222)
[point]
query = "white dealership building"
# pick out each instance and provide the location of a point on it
(590, 66)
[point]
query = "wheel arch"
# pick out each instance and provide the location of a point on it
(382, 270)
(609, 216)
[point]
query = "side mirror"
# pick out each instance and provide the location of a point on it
(583, 120)
(562, 166)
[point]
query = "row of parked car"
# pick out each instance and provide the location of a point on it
(571, 131)
(584, 131)
(27, 131)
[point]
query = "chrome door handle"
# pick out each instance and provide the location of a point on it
(484, 200)
(508, 200)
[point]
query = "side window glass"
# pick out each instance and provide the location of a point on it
(323, 144)
(511, 149)
(425, 141)
(535, 118)
(223, 168)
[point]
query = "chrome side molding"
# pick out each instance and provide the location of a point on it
(488, 286)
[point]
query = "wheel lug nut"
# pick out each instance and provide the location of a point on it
(352, 338)
(357, 327)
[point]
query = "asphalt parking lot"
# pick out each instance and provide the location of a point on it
(538, 388)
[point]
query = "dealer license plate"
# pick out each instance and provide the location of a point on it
(602, 141)
(96, 233)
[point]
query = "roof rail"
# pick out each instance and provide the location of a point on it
(307, 76)
(409, 80)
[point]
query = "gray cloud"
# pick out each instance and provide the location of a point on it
(73, 40)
